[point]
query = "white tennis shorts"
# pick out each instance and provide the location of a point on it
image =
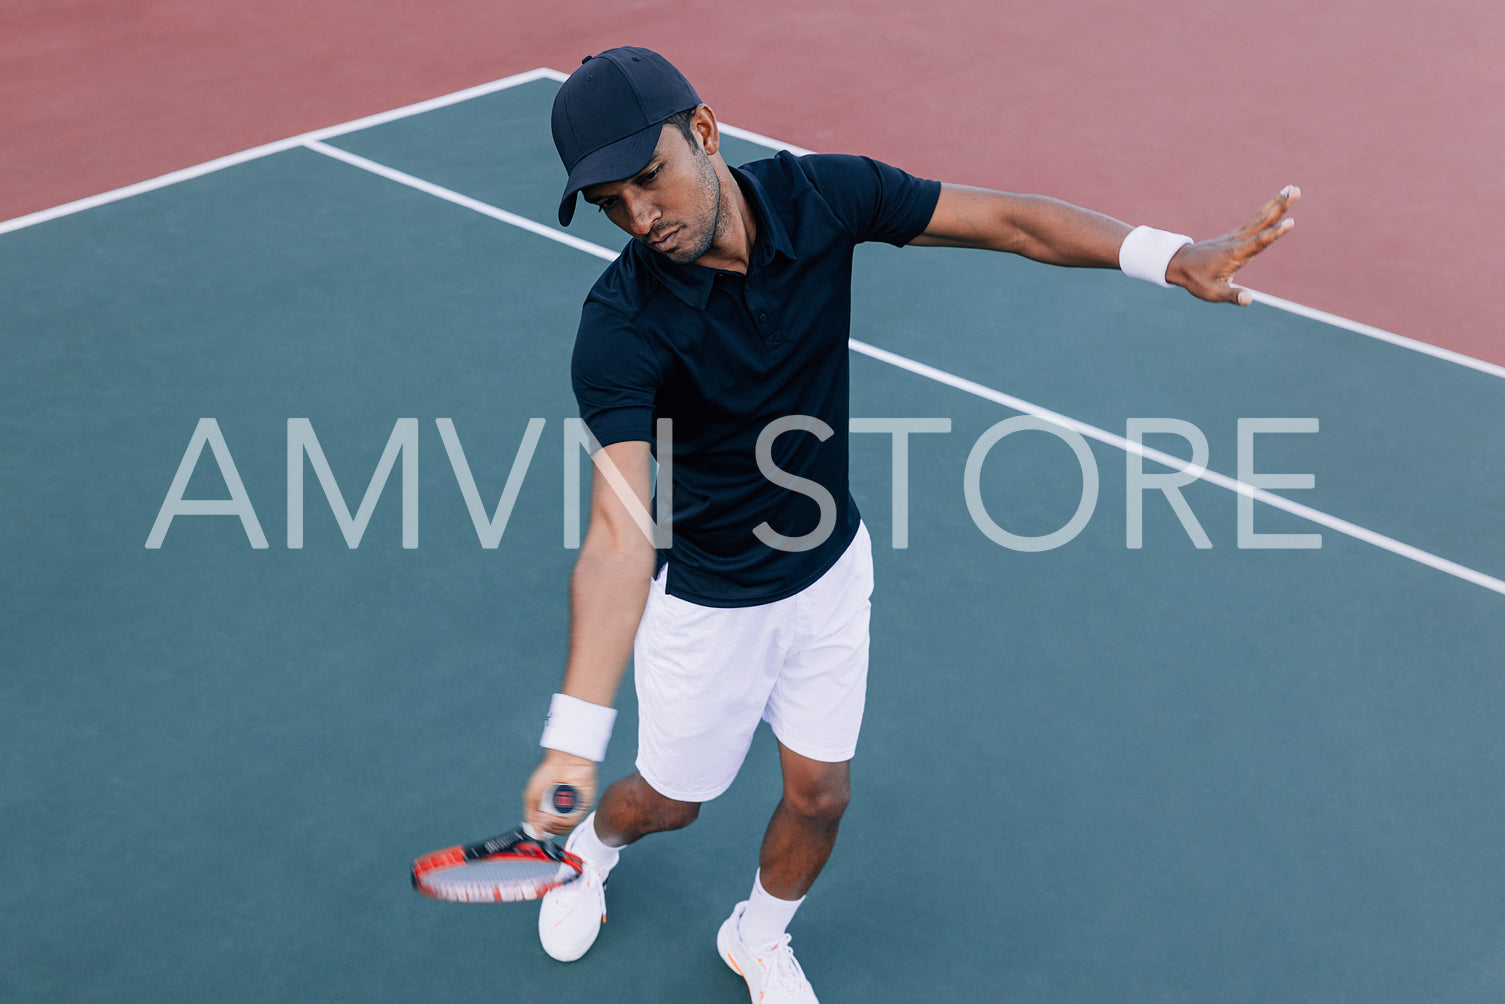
(705, 676)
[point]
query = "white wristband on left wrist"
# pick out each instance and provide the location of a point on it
(1146, 253)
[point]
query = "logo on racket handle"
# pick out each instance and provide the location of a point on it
(561, 800)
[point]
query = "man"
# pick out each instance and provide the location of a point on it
(728, 315)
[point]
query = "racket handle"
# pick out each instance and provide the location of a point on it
(560, 800)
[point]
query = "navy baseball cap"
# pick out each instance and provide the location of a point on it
(607, 116)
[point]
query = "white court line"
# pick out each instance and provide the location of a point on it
(761, 140)
(255, 153)
(1305, 512)
(1370, 331)
(450, 195)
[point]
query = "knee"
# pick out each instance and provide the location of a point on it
(822, 803)
(672, 815)
(660, 812)
(632, 808)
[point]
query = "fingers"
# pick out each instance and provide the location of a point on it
(1264, 229)
(1257, 242)
(1271, 212)
(1206, 269)
(1229, 293)
(548, 822)
(1276, 232)
(1282, 204)
(559, 768)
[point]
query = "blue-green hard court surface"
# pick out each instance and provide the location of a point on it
(1094, 773)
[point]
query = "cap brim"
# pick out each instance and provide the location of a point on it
(613, 162)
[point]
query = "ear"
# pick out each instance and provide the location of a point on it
(703, 125)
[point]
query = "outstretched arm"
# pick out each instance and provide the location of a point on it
(1058, 233)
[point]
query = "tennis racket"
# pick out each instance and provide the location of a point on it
(510, 868)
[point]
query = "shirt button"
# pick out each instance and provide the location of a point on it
(763, 318)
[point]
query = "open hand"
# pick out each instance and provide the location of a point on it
(1206, 268)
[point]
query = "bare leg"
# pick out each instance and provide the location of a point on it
(630, 809)
(802, 831)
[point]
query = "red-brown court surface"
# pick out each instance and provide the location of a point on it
(1185, 116)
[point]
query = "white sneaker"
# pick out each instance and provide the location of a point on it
(570, 917)
(772, 973)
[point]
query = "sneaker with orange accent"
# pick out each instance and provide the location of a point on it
(570, 917)
(772, 972)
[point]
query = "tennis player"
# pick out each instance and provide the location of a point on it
(728, 315)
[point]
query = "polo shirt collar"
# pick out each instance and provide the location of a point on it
(692, 283)
(772, 235)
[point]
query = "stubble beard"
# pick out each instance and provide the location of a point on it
(703, 229)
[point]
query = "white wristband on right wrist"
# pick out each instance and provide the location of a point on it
(1146, 253)
(578, 727)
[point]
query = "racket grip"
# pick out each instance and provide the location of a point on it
(560, 800)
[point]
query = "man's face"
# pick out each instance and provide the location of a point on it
(672, 204)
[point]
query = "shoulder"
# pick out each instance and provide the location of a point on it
(871, 200)
(612, 352)
(619, 312)
(626, 287)
(788, 175)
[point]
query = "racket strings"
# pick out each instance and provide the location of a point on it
(497, 880)
(506, 869)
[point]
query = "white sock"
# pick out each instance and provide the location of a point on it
(766, 916)
(588, 845)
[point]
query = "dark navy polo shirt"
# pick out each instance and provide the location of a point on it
(723, 355)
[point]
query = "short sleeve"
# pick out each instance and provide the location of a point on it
(873, 200)
(615, 376)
